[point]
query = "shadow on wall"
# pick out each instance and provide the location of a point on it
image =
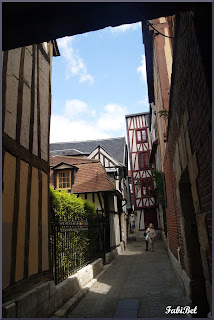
(193, 260)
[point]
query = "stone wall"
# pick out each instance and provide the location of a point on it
(45, 299)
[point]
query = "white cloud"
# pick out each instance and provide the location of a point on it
(71, 126)
(126, 27)
(64, 130)
(113, 118)
(75, 64)
(86, 77)
(93, 113)
(74, 107)
(142, 68)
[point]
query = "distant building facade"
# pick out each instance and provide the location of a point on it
(113, 155)
(139, 144)
(88, 179)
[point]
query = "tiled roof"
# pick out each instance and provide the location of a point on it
(69, 160)
(114, 146)
(69, 152)
(90, 176)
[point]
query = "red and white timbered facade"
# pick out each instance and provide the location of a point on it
(139, 144)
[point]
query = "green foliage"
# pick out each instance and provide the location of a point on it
(65, 203)
(73, 248)
(163, 113)
(158, 178)
(90, 209)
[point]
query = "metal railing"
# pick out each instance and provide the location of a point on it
(77, 242)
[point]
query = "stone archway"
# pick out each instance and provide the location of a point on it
(193, 259)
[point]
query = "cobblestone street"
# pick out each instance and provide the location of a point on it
(138, 284)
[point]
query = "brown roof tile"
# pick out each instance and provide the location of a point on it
(69, 160)
(90, 176)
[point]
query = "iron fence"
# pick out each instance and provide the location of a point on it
(77, 242)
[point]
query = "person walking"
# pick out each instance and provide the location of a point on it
(151, 236)
(146, 234)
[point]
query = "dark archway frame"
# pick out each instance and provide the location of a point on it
(25, 23)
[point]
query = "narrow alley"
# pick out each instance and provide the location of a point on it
(106, 142)
(146, 279)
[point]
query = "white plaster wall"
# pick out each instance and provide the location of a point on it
(96, 200)
(141, 219)
(115, 204)
(114, 230)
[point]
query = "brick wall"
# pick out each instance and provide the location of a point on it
(173, 210)
(190, 92)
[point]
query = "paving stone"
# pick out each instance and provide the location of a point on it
(135, 275)
(125, 314)
(126, 304)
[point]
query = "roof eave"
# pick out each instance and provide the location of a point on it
(59, 164)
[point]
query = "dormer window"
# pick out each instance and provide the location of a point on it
(64, 175)
(64, 179)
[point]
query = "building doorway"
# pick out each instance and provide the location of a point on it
(150, 216)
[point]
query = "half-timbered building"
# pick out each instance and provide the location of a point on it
(113, 155)
(87, 178)
(26, 106)
(139, 144)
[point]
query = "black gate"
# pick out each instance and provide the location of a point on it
(77, 242)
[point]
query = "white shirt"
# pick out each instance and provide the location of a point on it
(151, 232)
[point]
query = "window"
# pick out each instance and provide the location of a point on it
(64, 179)
(141, 135)
(144, 160)
(144, 135)
(147, 187)
(144, 188)
(138, 136)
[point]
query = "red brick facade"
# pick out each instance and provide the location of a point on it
(190, 93)
(190, 80)
(186, 155)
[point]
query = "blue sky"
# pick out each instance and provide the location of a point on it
(98, 79)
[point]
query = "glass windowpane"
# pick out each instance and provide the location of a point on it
(146, 159)
(64, 180)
